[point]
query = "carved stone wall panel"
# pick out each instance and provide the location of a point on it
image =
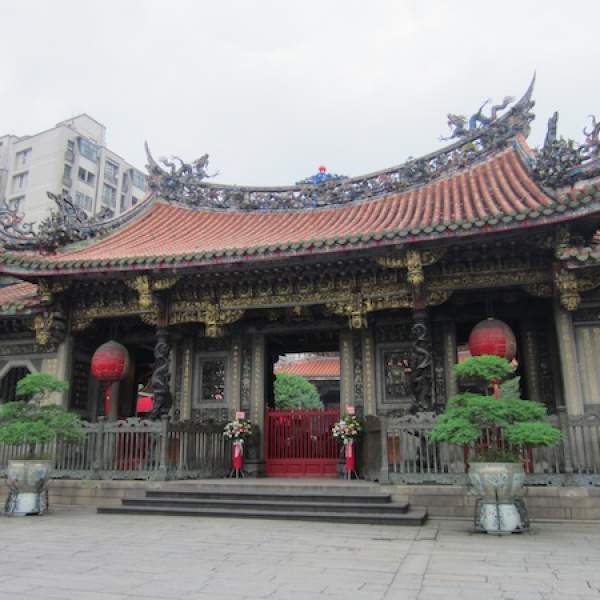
(346, 369)
(440, 393)
(235, 374)
(357, 359)
(369, 381)
(588, 354)
(246, 375)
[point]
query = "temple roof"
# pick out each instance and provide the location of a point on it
(496, 194)
(17, 297)
(314, 367)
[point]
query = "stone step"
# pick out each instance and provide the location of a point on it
(260, 503)
(299, 494)
(412, 517)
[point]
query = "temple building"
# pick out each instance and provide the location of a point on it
(207, 285)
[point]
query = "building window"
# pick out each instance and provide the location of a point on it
(19, 181)
(134, 200)
(67, 171)
(138, 179)
(111, 171)
(84, 201)
(211, 379)
(71, 145)
(123, 204)
(86, 176)
(22, 158)
(16, 204)
(109, 196)
(88, 149)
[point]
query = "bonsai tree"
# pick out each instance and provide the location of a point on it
(293, 391)
(31, 423)
(39, 386)
(494, 417)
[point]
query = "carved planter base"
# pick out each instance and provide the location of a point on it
(28, 487)
(498, 485)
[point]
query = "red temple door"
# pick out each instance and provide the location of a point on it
(299, 443)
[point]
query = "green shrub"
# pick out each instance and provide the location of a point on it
(472, 417)
(38, 386)
(31, 423)
(292, 392)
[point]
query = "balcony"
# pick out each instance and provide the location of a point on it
(111, 178)
(67, 181)
(69, 156)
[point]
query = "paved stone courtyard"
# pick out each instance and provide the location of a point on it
(78, 555)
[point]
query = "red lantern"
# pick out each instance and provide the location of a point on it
(493, 337)
(110, 363)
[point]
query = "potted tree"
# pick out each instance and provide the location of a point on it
(30, 426)
(501, 428)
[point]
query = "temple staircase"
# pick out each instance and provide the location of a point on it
(330, 501)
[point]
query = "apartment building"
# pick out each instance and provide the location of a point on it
(72, 156)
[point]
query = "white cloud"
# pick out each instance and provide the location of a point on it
(273, 89)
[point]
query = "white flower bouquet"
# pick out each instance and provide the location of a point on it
(238, 429)
(347, 429)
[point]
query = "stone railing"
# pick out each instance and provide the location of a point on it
(135, 449)
(408, 456)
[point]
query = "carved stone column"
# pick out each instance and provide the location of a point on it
(61, 366)
(421, 361)
(368, 364)
(450, 357)
(257, 394)
(568, 361)
(187, 354)
(235, 383)
(161, 377)
(346, 369)
(531, 360)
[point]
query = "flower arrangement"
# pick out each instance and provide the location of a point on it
(347, 429)
(238, 429)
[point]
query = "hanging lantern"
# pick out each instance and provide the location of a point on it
(493, 337)
(110, 362)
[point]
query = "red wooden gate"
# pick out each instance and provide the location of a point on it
(299, 443)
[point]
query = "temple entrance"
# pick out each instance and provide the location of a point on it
(303, 403)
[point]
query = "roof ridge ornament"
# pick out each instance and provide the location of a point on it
(66, 224)
(561, 162)
(185, 183)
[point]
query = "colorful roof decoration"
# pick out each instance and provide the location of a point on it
(322, 176)
(17, 297)
(497, 194)
(315, 367)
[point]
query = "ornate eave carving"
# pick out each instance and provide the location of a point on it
(413, 261)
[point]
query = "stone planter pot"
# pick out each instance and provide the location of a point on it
(499, 508)
(497, 481)
(28, 486)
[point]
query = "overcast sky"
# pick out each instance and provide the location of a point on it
(271, 90)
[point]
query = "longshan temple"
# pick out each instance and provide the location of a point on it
(206, 285)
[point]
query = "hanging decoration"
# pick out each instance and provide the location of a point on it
(493, 337)
(110, 363)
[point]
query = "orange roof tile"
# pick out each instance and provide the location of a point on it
(318, 366)
(18, 295)
(495, 194)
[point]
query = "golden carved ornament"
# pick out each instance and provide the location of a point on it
(414, 261)
(42, 325)
(568, 290)
(540, 290)
(47, 290)
(142, 285)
